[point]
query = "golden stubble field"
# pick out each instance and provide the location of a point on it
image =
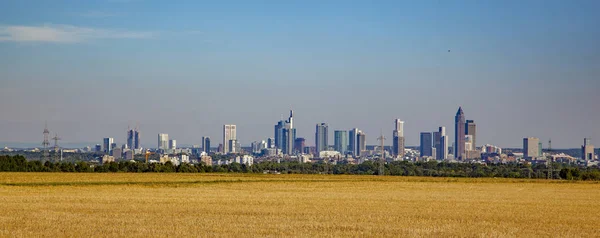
(234, 205)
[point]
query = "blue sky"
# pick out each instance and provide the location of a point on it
(91, 68)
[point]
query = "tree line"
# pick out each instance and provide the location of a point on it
(19, 163)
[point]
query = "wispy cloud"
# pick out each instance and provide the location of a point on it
(65, 33)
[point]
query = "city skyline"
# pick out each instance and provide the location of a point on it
(518, 68)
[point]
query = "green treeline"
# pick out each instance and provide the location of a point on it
(400, 168)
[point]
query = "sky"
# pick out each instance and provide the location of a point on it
(91, 69)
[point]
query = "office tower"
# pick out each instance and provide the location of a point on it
(353, 145)
(203, 143)
(285, 135)
(398, 139)
(206, 144)
(271, 143)
(299, 145)
(531, 148)
(98, 148)
(471, 129)
(587, 150)
(468, 143)
(229, 133)
(233, 146)
(133, 139)
(426, 144)
(321, 138)
(163, 141)
(172, 144)
(108, 145)
(130, 139)
(340, 141)
(289, 136)
(137, 143)
(113, 146)
(361, 142)
(459, 134)
(117, 153)
(441, 144)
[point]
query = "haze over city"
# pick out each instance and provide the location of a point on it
(90, 70)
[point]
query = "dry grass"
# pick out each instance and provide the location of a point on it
(81, 205)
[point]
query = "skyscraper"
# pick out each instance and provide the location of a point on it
(163, 141)
(587, 150)
(398, 139)
(130, 139)
(340, 141)
(531, 148)
(299, 145)
(285, 135)
(172, 144)
(361, 141)
(471, 129)
(137, 143)
(108, 145)
(459, 134)
(321, 138)
(206, 144)
(426, 142)
(229, 134)
(437, 141)
(353, 144)
(441, 144)
(133, 139)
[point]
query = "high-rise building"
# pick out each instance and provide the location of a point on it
(426, 144)
(340, 141)
(441, 147)
(137, 143)
(471, 129)
(206, 144)
(299, 145)
(98, 148)
(353, 145)
(163, 141)
(285, 135)
(361, 141)
(229, 133)
(587, 150)
(108, 145)
(398, 139)
(271, 143)
(321, 138)
(459, 134)
(531, 148)
(130, 139)
(172, 144)
(133, 139)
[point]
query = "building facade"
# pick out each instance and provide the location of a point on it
(340, 141)
(229, 134)
(321, 139)
(426, 144)
(398, 139)
(459, 134)
(108, 142)
(587, 150)
(531, 148)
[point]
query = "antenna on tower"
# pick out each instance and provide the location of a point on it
(46, 142)
(382, 158)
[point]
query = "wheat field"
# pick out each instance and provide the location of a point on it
(235, 205)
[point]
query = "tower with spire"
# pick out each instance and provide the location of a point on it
(459, 134)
